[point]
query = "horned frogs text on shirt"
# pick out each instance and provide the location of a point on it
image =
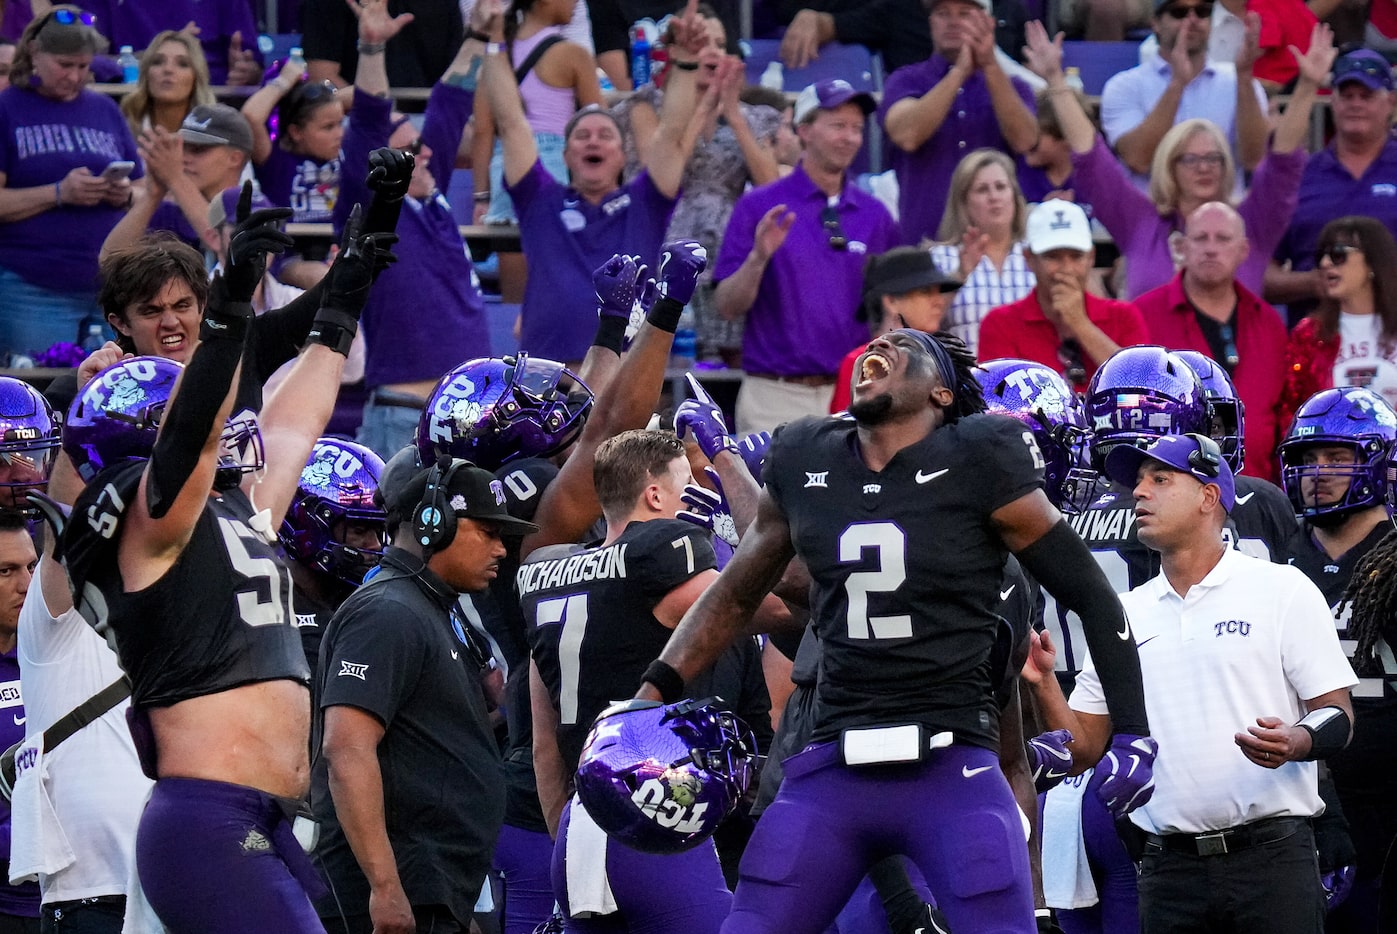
(602, 564)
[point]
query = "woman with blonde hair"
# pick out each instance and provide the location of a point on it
(981, 237)
(1193, 165)
(174, 79)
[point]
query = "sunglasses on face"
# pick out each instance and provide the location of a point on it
(829, 219)
(1338, 253)
(1202, 11)
(1195, 161)
(70, 18)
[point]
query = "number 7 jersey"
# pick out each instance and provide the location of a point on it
(907, 567)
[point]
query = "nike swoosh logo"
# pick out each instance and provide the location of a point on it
(968, 772)
(928, 477)
(1125, 633)
(1243, 500)
(19, 721)
(1004, 594)
(454, 655)
(1144, 642)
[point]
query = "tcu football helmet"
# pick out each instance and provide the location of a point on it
(661, 778)
(28, 441)
(1040, 398)
(117, 414)
(1138, 394)
(336, 489)
(1226, 414)
(495, 410)
(1350, 417)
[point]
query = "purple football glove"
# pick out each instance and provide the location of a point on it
(681, 263)
(752, 450)
(1124, 778)
(1337, 883)
(704, 418)
(1049, 758)
(614, 282)
(708, 509)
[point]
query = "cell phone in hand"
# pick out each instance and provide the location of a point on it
(116, 171)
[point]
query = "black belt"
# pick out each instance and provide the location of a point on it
(1219, 842)
(400, 400)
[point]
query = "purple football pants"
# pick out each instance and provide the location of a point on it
(523, 859)
(216, 858)
(1118, 911)
(655, 894)
(953, 816)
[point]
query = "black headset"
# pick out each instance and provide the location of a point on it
(1207, 460)
(434, 521)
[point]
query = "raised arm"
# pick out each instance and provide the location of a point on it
(511, 126)
(667, 157)
(257, 109)
(1135, 144)
(1043, 57)
(1252, 126)
(1018, 123)
(1315, 63)
(376, 27)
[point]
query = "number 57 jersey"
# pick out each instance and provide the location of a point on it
(591, 617)
(907, 567)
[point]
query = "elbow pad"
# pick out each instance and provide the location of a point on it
(1061, 562)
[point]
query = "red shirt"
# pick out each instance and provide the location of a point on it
(1283, 23)
(1260, 373)
(1020, 329)
(844, 382)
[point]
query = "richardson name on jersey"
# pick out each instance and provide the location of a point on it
(599, 564)
(1105, 525)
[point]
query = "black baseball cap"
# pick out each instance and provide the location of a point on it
(904, 269)
(472, 493)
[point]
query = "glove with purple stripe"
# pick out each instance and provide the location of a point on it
(1124, 778)
(681, 264)
(702, 416)
(1049, 758)
(708, 509)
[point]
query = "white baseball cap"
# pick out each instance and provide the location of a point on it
(1058, 225)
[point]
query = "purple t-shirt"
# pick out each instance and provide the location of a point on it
(41, 141)
(425, 314)
(924, 176)
(169, 217)
(1143, 236)
(23, 899)
(802, 322)
(568, 237)
(1328, 190)
(305, 185)
(135, 23)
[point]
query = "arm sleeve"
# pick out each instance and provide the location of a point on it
(1061, 562)
(369, 128)
(279, 335)
(369, 659)
(448, 111)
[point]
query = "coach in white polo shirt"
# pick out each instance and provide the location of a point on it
(1245, 685)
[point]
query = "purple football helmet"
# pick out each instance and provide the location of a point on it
(117, 414)
(336, 490)
(1226, 413)
(495, 410)
(28, 441)
(1040, 398)
(660, 779)
(1138, 394)
(1353, 418)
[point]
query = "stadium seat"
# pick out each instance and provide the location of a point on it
(1098, 61)
(854, 63)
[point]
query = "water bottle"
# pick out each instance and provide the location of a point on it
(774, 78)
(95, 338)
(1074, 79)
(297, 58)
(130, 65)
(684, 350)
(605, 81)
(640, 55)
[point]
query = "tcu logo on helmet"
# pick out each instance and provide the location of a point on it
(454, 406)
(670, 801)
(329, 461)
(122, 385)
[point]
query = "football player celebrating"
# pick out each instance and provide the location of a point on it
(176, 557)
(28, 442)
(906, 711)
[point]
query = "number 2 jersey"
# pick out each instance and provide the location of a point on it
(220, 617)
(591, 617)
(907, 568)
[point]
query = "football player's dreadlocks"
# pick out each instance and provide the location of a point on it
(969, 398)
(1372, 592)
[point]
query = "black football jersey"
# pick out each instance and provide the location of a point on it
(1260, 524)
(907, 568)
(591, 619)
(310, 618)
(222, 616)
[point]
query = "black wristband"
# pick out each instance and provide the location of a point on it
(225, 321)
(477, 35)
(611, 333)
(333, 328)
(666, 680)
(1329, 731)
(665, 315)
(685, 66)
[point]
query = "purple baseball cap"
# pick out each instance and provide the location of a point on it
(1366, 67)
(224, 208)
(829, 94)
(1200, 459)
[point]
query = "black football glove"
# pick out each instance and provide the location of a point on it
(348, 282)
(390, 172)
(256, 234)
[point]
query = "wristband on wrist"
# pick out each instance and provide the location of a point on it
(477, 35)
(494, 48)
(665, 315)
(611, 333)
(226, 321)
(685, 66)
(666, 680)
(370, 48)
(58, 194)
(480, 196)
(333, 328)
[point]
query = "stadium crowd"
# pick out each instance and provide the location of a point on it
(1001, 542)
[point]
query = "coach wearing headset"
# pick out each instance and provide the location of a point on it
(408, 787)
